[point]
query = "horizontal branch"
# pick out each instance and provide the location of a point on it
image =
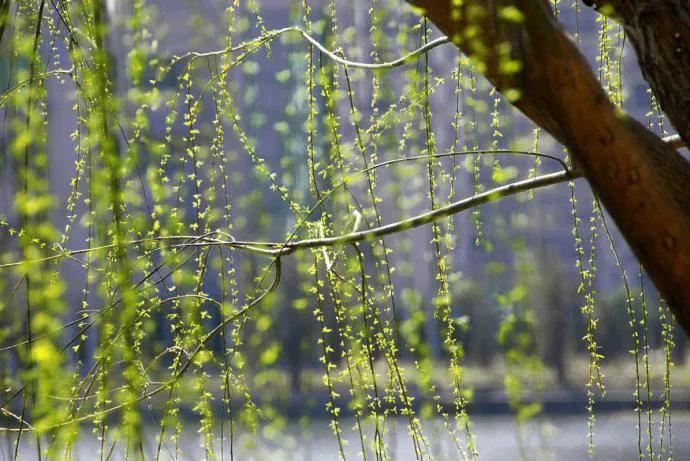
(277, 249)
(200, 240)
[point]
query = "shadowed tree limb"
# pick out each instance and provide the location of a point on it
(642, 181)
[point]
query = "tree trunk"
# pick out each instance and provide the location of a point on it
(641, 180)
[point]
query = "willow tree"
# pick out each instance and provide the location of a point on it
(641, 179)
(173, 287)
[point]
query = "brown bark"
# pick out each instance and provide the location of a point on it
(643, 182)
(660, 32)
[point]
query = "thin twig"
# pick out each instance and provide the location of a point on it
(340, 60)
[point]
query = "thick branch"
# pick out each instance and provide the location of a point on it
(643, 182)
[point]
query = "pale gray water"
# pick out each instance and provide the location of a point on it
(550, 438)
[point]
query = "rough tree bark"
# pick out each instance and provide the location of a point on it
(641, 180)
(660, 32)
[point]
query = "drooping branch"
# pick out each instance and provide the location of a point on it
(643, 182)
